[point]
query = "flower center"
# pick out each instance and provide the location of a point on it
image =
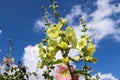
(65, 73)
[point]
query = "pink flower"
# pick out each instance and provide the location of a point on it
(62, 73)
(11, 61)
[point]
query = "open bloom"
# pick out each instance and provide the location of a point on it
(81, 43)
(62, 73)
(70, 34)
(91, 48)
(54, 30)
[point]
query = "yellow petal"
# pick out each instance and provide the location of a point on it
(91, 48)
(76, 58)
(63, 45)
(40, 65)
(87, 37)
(81, 43)
(42, 53)
(65, 60)
(70, 34)
(63, 21)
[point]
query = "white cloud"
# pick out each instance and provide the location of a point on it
(100, 24)
(31, 58)
(38, 25)
(107, 76)
(76, 11)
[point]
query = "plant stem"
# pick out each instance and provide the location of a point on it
(85, 69)
(48, 72)
(72, 76)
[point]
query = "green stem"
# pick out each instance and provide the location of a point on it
(85, 69)
(48, 72)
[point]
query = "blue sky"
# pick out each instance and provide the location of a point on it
(22, 22)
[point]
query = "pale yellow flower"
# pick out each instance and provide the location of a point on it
(54, 30)
(71, 37)
(52, 45)
(42, 53)
(91, 48)
(63, 21)
(88, 58)
(87, 37)
(40, 65)
(63, 45)
(81, 43)
(65, 60)
(76, 58)
(51, 55)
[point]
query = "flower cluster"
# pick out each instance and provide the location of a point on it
(63, 40)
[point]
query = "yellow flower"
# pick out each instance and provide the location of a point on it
(91, 59)
(65, 60)
(51, 55)
(76, 58)
(70, 34)
(42, 53)
(63, 45)
(91, 48)
(87, 37)
(81, 43)
(88, 58)
(52, 49)
(40, 65)
(54, 30)
(63, 21)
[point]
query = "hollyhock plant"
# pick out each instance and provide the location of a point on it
(63, 39)
(62, 73)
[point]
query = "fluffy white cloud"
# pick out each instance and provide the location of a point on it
(40, 23)
(107, 76)
(100, 24)
(76, 11)
(31, 58)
